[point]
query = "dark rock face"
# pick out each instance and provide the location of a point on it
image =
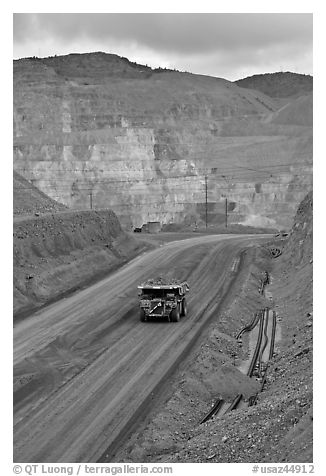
(98, 131)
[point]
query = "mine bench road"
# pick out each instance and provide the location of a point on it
(84, 366)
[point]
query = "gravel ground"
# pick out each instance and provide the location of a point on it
(279, 428)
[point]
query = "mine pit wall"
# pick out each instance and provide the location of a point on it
(88, 137)
(125, 175)
(71, 145)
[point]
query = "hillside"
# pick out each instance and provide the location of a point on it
(95, 130)
(299, 112)
(279, 85)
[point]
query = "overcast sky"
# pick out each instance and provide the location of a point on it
(225, 45)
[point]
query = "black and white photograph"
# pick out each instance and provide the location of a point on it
(162, 242)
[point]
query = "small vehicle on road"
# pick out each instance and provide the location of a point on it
(163, 298)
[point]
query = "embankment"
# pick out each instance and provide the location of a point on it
(55, 254)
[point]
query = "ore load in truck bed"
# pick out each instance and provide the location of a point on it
(162, 281)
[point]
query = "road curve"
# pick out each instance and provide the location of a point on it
(84, 365)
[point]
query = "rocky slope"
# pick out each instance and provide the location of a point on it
(95, 130)
(27, 199)
(279, 85)
(57, 253)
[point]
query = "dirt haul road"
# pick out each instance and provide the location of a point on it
(85, 366)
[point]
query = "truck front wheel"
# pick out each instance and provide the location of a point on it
(175, 314)
(142, 315)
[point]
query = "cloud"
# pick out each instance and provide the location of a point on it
(204, 41)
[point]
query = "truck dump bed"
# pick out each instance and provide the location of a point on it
(162, 283)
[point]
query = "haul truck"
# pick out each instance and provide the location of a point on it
(159, 299)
